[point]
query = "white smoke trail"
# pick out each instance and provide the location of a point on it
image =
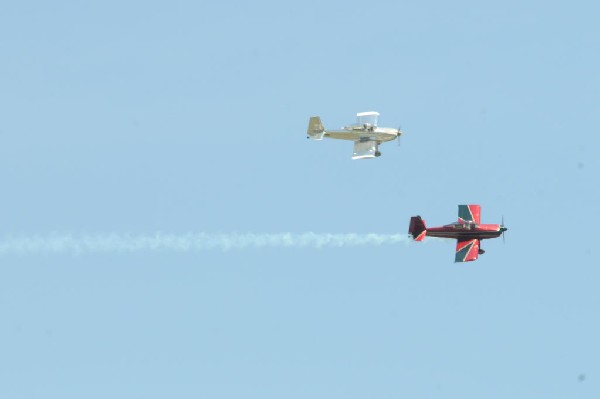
(190, 242)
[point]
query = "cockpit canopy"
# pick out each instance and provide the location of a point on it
(462, 226)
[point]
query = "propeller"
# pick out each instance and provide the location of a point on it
(502, 227)
(399, 134)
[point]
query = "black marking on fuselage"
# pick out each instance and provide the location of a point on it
(464, 235)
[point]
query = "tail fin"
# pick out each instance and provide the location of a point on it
(417, 228)
(315, 128)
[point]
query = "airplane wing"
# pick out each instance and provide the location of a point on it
(469, 214)
(467, 250)
(369, 118)
(365, 149)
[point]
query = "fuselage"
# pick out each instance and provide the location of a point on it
(354, 133)
(466, 231)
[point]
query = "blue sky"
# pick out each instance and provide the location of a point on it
(179, 117)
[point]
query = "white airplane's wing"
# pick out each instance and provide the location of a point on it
(365, 149)
(369, 118)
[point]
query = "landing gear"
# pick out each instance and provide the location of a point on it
(377, 153)
(481, 251)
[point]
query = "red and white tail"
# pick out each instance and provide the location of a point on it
(417, 228)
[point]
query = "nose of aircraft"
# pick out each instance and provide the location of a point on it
(502, 230)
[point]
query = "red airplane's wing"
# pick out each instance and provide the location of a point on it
(467, 250)
(469, 214)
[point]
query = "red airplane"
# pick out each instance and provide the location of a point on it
(468, 231)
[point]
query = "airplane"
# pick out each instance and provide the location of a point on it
(468, 232)
(365, 133)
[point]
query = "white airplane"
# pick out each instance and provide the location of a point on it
(365, 133)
